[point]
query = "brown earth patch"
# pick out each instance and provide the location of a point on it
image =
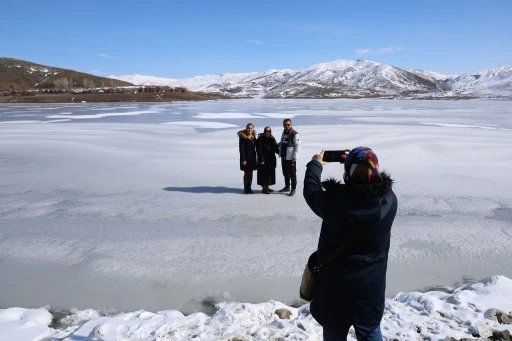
(113, 97)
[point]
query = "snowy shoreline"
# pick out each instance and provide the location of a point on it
(479, 311)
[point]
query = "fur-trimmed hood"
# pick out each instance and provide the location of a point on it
(243, 135)
(368, 191)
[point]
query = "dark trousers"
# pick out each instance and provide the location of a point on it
(289, 172)
(247, 179)
(376, 335)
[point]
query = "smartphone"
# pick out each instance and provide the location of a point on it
(334, 155)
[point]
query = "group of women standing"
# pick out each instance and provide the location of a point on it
(258, 153)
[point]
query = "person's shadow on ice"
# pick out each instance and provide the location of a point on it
(204, 189)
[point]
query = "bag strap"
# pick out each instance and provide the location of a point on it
(333, 254)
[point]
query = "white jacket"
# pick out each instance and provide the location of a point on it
(289, 146)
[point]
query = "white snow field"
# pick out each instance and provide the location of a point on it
(110, 208)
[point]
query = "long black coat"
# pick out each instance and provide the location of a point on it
(247, 149)
(266, 148)
(351, 288)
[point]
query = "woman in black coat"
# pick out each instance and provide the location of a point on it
(266, 147)
(357, 215)
(247, 149)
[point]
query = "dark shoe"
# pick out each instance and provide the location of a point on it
(265, 190)
(249, 191)
(270, 189)
(284, 189)
(292, 193)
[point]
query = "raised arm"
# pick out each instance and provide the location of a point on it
(313, 192)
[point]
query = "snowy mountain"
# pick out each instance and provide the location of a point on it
(490, 82)
(432, 75)
(148, 80)
(345, 79)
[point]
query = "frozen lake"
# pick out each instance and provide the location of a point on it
(132, 206)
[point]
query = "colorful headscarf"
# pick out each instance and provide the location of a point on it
(363, 162)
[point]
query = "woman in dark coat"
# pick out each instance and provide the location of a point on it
(267, 148)
(358, 214)
(247, 148)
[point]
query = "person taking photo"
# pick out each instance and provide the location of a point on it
(356, 228)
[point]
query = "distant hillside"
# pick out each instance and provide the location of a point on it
(336, 79)
(490, 82)
(22, 75)
(345, 79)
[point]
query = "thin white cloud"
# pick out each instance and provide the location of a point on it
(389, 50)
(363, 51)
(384, 50)
(102, 55)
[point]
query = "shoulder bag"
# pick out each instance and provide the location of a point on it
(307, 284)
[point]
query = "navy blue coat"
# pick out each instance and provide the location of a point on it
(350, 290)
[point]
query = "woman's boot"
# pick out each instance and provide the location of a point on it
(247, 182)
(246, 189)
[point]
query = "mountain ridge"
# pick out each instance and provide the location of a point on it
(20, 75)
(336, 79)
(345, 78)
(28, 82)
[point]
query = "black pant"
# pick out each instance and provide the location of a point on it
(247, 180)
(289, 172)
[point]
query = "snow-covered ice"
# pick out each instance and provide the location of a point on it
(127, 221)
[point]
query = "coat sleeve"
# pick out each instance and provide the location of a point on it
(296, 150)
(242, 150)
(259, 150)
(313, 193)
(275, 146)
(279, 145)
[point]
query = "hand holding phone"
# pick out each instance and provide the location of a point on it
(335, 155)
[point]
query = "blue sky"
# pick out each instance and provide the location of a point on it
(178, 39)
